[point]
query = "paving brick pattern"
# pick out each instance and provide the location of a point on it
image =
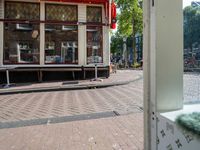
(117, 133)
(192, 88)
(123, 99)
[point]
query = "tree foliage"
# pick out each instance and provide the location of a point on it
(116, 43)
(191, 26)
(129, 17)
(129, 23)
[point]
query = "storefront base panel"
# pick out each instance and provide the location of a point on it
(31, 75)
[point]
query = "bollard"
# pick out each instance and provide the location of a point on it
(8, 79)
(96, 72)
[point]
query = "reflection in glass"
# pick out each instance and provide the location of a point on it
(94, 45)
(21, 44)
(94, 14)
(61, 12)
(21, 10)
(61, 44)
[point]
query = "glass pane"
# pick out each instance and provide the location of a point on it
(21, 44)
(61, 44)
(19, 10)
(94, 14)
(94, 45)
(61, 12)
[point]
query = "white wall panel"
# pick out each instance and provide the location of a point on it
(42, 33)
(82, 49)
(169, 54)
(106, 46)
(1, 31)
(82, 13)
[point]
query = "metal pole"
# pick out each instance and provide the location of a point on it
(125, 54)
(96, 72)
(7, 78)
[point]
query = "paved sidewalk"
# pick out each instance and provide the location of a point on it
(123, 99)
(116, 133)
(75, 119)
(122, 77)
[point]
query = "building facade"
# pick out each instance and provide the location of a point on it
(54, 33)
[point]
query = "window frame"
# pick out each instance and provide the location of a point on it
(20, 21)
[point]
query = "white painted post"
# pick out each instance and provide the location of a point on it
(82, 47)
(1, 43)
(82, 36)
(1, 31)
(42, 34)
(169, 55)
(163, 63)
(146, 68)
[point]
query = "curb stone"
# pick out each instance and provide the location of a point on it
(68, 87)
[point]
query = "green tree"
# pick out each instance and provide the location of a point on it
(130, 19)
(116, 43)
(191, 26)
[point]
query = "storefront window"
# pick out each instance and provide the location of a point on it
(61, 41)
(19, 10)
(94, 36)
(61, 44)
(21, 43)
(94, 14)
(21, 40)
(61, 12)
(94, 45)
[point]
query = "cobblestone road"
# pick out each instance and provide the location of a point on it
(192, 88)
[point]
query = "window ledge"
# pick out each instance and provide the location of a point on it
(186, 110)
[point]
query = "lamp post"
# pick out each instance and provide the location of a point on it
(125, 52)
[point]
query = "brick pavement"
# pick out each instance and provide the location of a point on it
(117, 133)
(98, 134)
(90, 134)
(123, 99)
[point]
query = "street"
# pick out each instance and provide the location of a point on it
(105, 118)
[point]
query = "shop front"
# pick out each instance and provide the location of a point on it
(52, 34)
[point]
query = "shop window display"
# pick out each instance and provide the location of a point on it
(94, 36)
(61, 44)
(21, 40)
(94, 45)
(21, 44)
(61, 41)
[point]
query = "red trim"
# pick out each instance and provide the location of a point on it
(81, 1)
(113, 15)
